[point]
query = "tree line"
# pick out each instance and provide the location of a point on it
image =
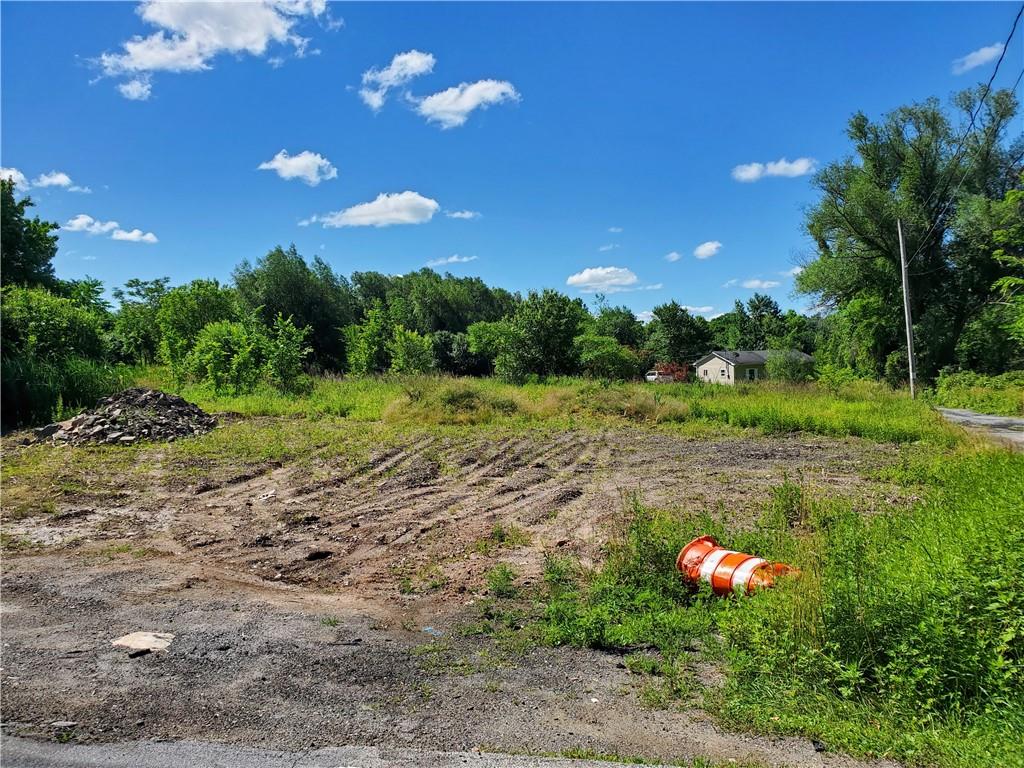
(283, 318)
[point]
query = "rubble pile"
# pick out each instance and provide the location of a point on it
(132, 415)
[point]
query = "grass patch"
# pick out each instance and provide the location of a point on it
(502, 537)
(501, 581)
(903, 637)
(997, 395)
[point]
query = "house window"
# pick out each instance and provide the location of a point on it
(751, 374)
(721, 371)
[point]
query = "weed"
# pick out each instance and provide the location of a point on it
(502, 537)
(501, 581)
(330, 621)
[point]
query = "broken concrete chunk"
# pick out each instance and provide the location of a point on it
(144, 641)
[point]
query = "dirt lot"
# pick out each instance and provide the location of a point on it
(319, 603)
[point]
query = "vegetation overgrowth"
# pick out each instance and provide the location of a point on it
(903, 636)
(861, 408)
(1001, 395)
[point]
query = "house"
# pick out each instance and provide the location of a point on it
(730, 366)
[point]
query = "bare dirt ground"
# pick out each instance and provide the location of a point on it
(320, 605)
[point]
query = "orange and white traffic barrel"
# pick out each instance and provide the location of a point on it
(725, 570)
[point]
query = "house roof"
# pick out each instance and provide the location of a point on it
(747, 356)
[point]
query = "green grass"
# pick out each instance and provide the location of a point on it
(997, 395)
(903, 636)
(862, 409)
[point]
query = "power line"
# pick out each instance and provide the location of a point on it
(960, 145)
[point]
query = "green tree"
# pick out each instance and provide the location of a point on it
(27, 246)
(602, 357)
(908, 166)
(410, 352)
(228, 356)
(185, 311)
(618, 322)
(367, 343)
(38, 324)
(316, 298)
(543, 329)
(676, 336)
(286, 350)
(135, 336)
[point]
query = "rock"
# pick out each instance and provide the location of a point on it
(319, 554)
(144, 641)
(64, 724)
(42, 433)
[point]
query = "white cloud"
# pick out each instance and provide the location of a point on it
(52, 179)
(730, 283)
(190, 35)
(615, 230)
(608, 247)
(85, 223)
(698, 310)
(13, 174)
(645, 317)
(88, 258)
(452, 107)
(136, 89)
(89, 225)
(977, 58)
(673, 256)
(308, 166)
(462, 214)
(402, 69)
(783, 167)
(707, 250)
(603, 279)
(761, 285)
(388, 209)
(792, 272)
(135, 236)
(453, 259)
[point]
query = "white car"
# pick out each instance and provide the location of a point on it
(657, 377)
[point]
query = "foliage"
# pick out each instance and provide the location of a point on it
(367, 343)
(676, 336)
(453, 355)
(27, 246)
(618, 322)
(1001, 395)
(285, 352)
(833, 378)
(787, 365)
(36, 323)
(487, 339)
(410, 352)
(1008, 235)
(228, 356)
(185, 311)
(602, 357)
(314, 297)
(540, 340)
(135, 336)
(501, 581)
(906, 167)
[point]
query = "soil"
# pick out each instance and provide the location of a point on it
(320, 605)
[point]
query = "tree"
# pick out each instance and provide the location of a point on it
(787, 365)
(286, 350)
(26, 246)
(228, 356)
(38, 324)
(1008, 235)
(453, 355)
(135, 336)
(367, 343)
(316, 298)
(410, 352)
(602, 357)
(676, 336)
(486, 340)
(618, 322)
(909, 166)
(540, 341)
(185, 311)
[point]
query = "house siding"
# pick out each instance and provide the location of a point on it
(711, 372)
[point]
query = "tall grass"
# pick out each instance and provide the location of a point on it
(862, 410)
(998, 395)
(903, 636)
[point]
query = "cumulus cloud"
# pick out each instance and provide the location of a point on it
(645, 317)
(136, 89)
(673, 256)
(761, 285)
(402, 69)
(783, 167)
(308, 166)
(453, 106)
(603, 279)
(85, 223)
(792, 272)
(13, 174)
(977, 58)
(698, 310)
(89, 225)
(462, 214)
(608, 247)
(134, 236)
(52, 179)
(707, 250)
(191, 35)
(388, 209)
(453, 259)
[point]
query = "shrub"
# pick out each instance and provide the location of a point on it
(410, 352)
(367, 343)
(228, 357)
(788, 365)
(833, 378)
(39, 324)
(603, 357)
(1000, 395)
(183, 314)
(285, 351)
(501, 581)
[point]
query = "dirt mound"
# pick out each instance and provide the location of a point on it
(132, 415)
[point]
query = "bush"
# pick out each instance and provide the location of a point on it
(788, 365)
(999, 395)
(228, 357)
(410, 352)
(367, 343)
(183, 314)
(286, 350)
(38, 324)
(602, 357)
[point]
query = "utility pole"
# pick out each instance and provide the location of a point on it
(906, 313)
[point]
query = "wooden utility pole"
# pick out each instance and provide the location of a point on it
(911, 363)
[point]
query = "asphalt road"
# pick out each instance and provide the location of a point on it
(25, 753)
(1006, 429)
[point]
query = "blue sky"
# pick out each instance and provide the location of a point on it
(568, 129)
